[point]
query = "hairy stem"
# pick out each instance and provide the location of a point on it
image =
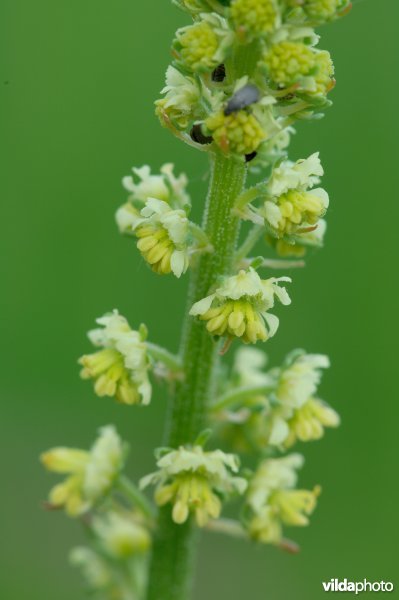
(174, 548)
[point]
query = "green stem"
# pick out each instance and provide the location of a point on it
(174, 547)
(135, 496)
(253, 237)
(162, 355)
(228, 527)
(240, 394)
(248, 196)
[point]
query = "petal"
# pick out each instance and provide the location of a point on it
(202, 306)
(282, 295)
(279, 432)
(272, 213)
(128, 183)
(178, 262)
(272, 323)
(322, 195)
(145, 391)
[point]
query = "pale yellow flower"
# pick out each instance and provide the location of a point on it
(240, 307)
(195, 481)
(120, 369)
(273, 501)
(91, 474)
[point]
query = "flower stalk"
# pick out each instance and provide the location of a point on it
(242, 73)
(174, 548)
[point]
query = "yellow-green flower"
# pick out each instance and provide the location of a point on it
(142, 186)
(322, 9)
(237, 133)
(293, 62)
(299, 379)
(254, 17)
(273, 502)
(324, 76)
(286, 507)
(308, 422)
(288, 61)
(120, 369)
(120, 535)
(299, 243)
(319, 11)
(292, 207)
(91, 474)
(203, 46)
(163, 238)
(164, 185)
(315, 12)
(239, 307)
(180, 105)
(194, 481)
(296, 413)
(94, 568)
(199, 44)
(193, 6)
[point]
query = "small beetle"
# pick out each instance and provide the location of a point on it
(251, 156)
(197, 135)
(219, 74)
(247, 95)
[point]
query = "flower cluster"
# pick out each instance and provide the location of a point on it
(120, 368)
(291, 207)
(240, 132)
(240, 307)
(204, 45)
(91, 474)
(157, 215)
(295, 64)
(164, 186)
(292, 75)
(252, 18)
(120, 534)
(272, 500)
(194, 481)
(279, 407)
(179, 106)
(297, 414)
(315, 12)
(118, 549)
(163, 237)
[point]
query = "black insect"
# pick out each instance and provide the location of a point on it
(219, 74)
(251, 156)
(197, 135)
(247, 95)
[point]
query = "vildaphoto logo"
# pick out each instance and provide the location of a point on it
(336, 585)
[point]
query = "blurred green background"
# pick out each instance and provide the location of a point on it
(77, 84)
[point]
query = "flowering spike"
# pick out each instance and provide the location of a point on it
(242, 74)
